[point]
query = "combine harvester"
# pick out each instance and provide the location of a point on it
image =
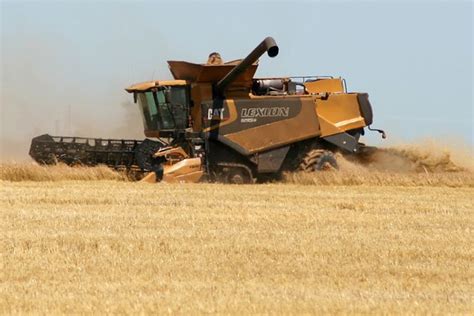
(215, 121)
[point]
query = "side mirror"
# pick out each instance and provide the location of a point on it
(135, 97)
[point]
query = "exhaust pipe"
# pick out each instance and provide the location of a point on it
(267, 45)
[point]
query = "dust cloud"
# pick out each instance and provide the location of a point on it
(17, 129)
(46, 91)
(421, 163)
(422, 156)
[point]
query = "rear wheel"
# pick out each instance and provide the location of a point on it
(317, 160)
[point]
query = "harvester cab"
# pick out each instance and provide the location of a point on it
(164, 107)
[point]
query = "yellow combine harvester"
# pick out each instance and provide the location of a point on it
(216, 121)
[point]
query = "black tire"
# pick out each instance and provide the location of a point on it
(326, 161)
(318, 160)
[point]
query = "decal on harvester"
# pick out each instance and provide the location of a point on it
(215, 114)
(249, 115)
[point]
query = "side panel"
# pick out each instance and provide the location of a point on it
(339, 113)
(260, 124)
(272, 160)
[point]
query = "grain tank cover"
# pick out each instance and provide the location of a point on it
(183, 70)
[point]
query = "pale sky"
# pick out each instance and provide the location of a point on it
(65, 64)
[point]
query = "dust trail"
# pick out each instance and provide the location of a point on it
(423, 163)
(427, 156)
(49, 86)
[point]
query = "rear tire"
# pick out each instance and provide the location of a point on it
(318, 160)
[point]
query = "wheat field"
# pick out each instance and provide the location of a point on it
(393, 236)
(340, 242)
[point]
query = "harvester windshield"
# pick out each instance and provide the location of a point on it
(165, 108)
